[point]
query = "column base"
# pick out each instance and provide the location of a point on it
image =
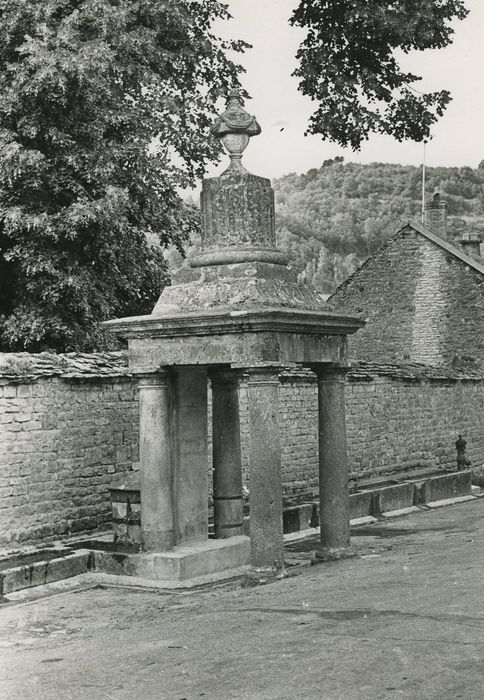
(326, 554)
(156, 541)
(257, 577)
(184, 562)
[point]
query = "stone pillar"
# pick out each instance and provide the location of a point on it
(227, 475)
(191, 453)
(333, 462)
(156, 474)
(266, 535)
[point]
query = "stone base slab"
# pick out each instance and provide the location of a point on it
(449, 501)
(180, 564)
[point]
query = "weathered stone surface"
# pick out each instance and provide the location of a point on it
(62, 444)
(157, 472)
(266, 529)
(42, 572)
(392, 498)
(237, 349)
(237, 214)
(24, 365)
(445, 486)
(126, 512)
(238, 286)
(333, 461)
(182, 563)
(360, 504)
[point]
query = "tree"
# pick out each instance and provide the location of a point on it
(348, 64)
(104, 111)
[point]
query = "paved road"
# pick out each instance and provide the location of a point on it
(406, 620)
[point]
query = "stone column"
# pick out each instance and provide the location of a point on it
(227, 475)
(333, 463)
(266, 538)
(191, 453)
(156, 474)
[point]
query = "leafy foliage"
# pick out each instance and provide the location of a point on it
(332, 218)
(348, 63)
(104, 110)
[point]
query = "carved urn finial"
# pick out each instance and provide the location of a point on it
(235, 127)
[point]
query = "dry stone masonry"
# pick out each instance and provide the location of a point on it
(68, 426)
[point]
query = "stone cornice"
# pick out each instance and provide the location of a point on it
(221, 322)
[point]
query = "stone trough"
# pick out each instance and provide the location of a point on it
(205, 559)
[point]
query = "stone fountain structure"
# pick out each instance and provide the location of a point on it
(243, 314)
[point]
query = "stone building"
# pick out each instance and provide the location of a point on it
(423, 297)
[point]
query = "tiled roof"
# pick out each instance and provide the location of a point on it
(17, 365)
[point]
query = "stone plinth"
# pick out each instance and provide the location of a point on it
(126, 512)
(180, 564)
(238, 220)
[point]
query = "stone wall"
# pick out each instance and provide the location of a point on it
(423, 304)
(67, 428)
(397, 418)
(70, 427)
(298, 415)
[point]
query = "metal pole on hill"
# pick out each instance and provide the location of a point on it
(423, 182)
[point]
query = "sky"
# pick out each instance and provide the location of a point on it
(457, 139)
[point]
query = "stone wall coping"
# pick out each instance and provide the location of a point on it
(411, 371)
(92, 366)
(23, 366)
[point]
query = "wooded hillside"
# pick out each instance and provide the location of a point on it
(332, 218)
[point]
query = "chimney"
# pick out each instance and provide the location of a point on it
(435, 215)
(471, 243)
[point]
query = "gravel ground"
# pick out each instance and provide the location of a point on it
(403, 620)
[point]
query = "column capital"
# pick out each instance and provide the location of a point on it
(263, 374)
(152, 380)
(225, 376)
(330, 373)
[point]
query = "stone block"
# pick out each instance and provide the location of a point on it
(444, 486)
(24, 390)
(299, 517)
(44, 571)
(290, 520)
(389, 498)
(181, 563)
(360, 504)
